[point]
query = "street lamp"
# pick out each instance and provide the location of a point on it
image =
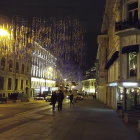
(4, 33)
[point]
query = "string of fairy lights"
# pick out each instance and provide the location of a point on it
(63, 37)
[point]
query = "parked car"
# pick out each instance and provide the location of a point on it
(48, 98)
(79, 96)
(38, 98)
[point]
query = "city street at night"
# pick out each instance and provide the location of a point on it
(70, 70)
(86, 120)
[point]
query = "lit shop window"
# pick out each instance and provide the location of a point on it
(132, 64)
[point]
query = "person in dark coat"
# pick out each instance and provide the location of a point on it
(60, 97)
(53, 99)
(71, 98)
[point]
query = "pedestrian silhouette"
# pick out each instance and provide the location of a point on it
(53, 99)
(60, 97)
(71, 99)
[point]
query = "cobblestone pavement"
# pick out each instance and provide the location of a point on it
(86, 120)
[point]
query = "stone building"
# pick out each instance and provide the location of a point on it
(121, 28)
(88, 86)
(43, 71)
(15, 64)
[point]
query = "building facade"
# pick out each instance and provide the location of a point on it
(15, 61)
(89, 82)
(43, 71)
(88, 86)
(121, 26)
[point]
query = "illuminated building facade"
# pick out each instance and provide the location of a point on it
(64, 38)
(101, 72)
(43, 72)
(15, 60)
(89, 82)
(121, 28)
(88, 86)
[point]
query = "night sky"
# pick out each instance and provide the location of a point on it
(89, 11)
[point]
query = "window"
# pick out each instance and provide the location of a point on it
(3, 63)
(132, 64)
(133, 12)
(1, 83)
(10, 65)
(17, 66)
(16, 84)
(22, 68)
(27, 68)
(9, 83)
(26, 82)
(22, 84)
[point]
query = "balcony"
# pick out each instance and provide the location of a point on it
(127, 27)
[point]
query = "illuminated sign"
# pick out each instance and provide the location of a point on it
(130, 84)
(113, 84)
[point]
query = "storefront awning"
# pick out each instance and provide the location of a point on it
(112, 59)
(130, 48)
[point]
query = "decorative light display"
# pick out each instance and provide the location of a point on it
(63, 37)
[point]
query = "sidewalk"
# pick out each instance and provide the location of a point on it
(86, 120)
(18, 102)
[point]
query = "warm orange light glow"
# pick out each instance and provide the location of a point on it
(4, 33)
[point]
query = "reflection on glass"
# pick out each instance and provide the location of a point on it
(132, 59)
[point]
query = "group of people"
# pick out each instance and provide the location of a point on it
(57, 97)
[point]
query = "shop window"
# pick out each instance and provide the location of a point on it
(9, 83)
(1, 83)
(132, 64)
(3, 63)
(133, 12)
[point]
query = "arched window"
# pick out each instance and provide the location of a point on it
(2, 63)
(10, 65)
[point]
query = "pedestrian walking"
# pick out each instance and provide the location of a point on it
(71, 99)
(60, 97)
(53, 99)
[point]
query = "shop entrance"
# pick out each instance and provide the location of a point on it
(132, 99)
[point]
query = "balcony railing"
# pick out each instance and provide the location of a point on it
(123, 25)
